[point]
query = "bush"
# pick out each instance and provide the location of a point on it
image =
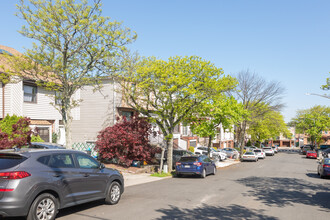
(126, 141)
(36, 138)
(14, 131)
(192, 149)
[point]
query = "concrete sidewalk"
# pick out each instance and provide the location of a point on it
(132, 179)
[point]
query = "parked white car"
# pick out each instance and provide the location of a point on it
(219, 153)
(213, 153)
(260, 153)
(250, 156)
(200, 150)
(269, 151)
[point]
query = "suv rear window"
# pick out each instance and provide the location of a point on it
(10, 160)
(188, 159)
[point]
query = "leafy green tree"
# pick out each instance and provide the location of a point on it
(75, 46)
(327, 85)
(168, 92)
(312, 122)
(221, 110)
(269, 126)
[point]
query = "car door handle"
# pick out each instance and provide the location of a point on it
(86, 175)
(56, 175)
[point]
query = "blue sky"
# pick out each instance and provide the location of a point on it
(281, 40)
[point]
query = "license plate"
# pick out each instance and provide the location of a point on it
(186, 166)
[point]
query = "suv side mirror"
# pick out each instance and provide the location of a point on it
(101, 167)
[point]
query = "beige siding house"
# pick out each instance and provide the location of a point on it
(97, 111)
(24, 98)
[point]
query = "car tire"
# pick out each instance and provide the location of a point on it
(214, 170)
(178, 175)
(203, 174)
(44, 206)
(113, 194)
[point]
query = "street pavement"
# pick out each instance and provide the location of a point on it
(132, 179)
(285, 186)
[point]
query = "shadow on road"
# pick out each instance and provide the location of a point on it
(313, 175)
(282, 192)
(76, 209)
(232, 212)
(214, 212)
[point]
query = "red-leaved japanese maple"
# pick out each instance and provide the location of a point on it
(20, 135)
(126, 141)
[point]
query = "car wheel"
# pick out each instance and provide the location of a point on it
(203, 174)
(178, 175)
(45, 206)
(214, 170)
(114, 193)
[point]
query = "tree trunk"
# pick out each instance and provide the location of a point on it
(242, 137)
(209, 146)
(161, 161)
(169, 143)
(67, 120)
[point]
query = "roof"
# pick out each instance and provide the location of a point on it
(12, 51)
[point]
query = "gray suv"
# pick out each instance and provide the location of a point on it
(38, 182)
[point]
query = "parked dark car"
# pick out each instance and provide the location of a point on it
(324, 147)
(306, 148)
(177, 154)
(195, 165)
(45, 145)
(38, 182)
(323, 168)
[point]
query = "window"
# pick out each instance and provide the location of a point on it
(87, 162)
(44, 160)
(61, 161)
(127, 114)
(43, 133)
(185, 130)
(30, 93)
(58, 100)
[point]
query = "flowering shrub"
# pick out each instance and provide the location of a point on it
(14, 131)
(126, 141)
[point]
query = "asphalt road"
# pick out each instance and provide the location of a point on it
(285, 186)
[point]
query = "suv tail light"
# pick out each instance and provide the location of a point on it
(198, 164)
(178, 163)
(14, 175)
(325, 165)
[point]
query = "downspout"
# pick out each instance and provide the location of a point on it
(3, 100)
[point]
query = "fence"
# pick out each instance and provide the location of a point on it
(85, 147)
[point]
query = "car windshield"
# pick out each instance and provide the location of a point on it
(188, 159)
(257, 151)
(327, 160)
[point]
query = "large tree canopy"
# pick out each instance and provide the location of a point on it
(220, 110)
(74, 46)
(312, 122)
(269, 125)
(169, 91)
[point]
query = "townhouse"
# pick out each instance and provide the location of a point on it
(23, 97)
